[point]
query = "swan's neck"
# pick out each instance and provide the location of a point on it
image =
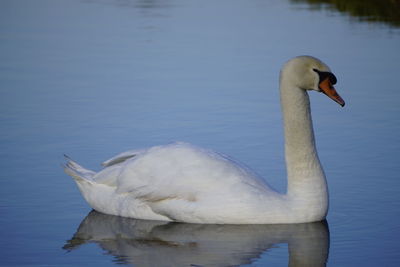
(306, 179)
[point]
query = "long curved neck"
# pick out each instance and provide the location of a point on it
(306, 179)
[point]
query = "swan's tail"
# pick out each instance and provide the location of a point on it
(77, 171)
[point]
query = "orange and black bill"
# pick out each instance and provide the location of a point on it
(327, 88)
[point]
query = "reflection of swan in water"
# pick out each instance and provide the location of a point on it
(156, 243)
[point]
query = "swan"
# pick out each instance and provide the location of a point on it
(185, 183)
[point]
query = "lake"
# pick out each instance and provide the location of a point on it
(93, 78)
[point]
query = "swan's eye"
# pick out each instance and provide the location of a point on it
(325, 74)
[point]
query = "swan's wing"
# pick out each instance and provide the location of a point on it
(112, 167)
(121, 157)
(181, 171)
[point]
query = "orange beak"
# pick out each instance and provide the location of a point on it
(328, 89)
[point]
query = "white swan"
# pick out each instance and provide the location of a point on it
(181, 182)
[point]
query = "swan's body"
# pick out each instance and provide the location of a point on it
(181, 182)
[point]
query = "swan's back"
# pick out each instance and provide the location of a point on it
(184, 171)
(178, 182)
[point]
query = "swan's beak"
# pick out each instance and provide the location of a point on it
(328, 89)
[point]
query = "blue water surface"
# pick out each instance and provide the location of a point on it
(93, 78)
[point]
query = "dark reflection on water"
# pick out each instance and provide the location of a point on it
(154, 243)
(141, 4)
(386, 11)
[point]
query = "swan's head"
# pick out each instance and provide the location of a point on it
(310, 73)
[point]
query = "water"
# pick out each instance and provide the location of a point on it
(93, 78)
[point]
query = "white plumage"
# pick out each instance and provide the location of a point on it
(182, 182)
